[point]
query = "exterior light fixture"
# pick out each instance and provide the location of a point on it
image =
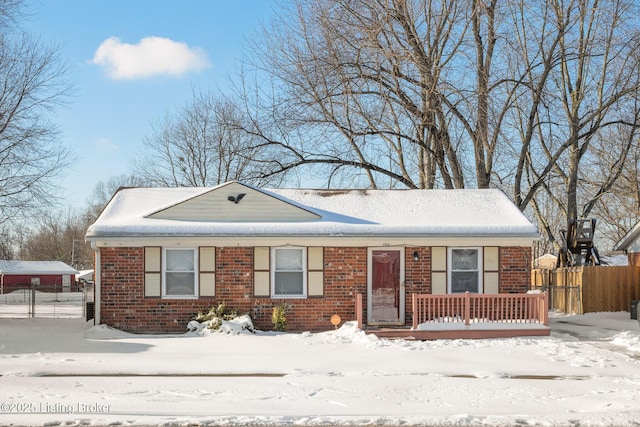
(415, 255)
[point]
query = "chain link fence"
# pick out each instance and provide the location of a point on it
(48, 301)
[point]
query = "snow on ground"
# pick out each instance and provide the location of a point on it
(47, 304)
(65, 372)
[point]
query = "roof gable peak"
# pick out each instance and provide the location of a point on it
(235, 202)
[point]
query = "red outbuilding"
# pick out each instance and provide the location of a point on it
(47, 276)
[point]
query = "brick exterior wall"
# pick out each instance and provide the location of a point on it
(417, 276)
(345, 275)
(515, 270)
(124, 306)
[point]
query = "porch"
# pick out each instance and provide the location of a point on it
(468, 316)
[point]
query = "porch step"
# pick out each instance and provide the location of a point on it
(424, 335)
(391, 332)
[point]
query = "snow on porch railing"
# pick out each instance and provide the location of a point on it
(486, 308)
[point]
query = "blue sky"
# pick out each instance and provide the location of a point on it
(132, 62)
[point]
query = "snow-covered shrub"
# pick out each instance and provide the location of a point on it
(233, 326)
(237, 325)
(221, 311)
(195, 326)
(217, 317)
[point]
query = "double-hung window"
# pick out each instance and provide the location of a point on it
(465, 268)
(179, 273)
(288, 275)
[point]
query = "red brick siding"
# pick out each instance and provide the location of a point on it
(234, 276)
(345, 275)
(417, 276)
(515, 269)
(124, 306)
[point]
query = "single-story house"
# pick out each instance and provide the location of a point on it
(163, 254)
(630, 244)
(49, 276)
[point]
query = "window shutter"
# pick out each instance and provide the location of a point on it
(439, 270)
(261, 273)
(315, 267)
(207, 267)
(152, 272)
(491, 270)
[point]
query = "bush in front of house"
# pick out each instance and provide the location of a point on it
(279, 318)
(221, 318)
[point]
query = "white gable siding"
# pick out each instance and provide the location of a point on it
(254, 206)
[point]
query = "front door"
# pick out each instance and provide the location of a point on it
(385, 288)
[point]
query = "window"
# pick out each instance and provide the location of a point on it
(179, 273)
(288, 274)
(465, 267)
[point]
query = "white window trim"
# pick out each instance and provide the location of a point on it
(195, 274)
(273, 273)
(450, 269)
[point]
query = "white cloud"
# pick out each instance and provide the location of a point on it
(105, 144)
(149, 57)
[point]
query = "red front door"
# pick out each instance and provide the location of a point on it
(386, 293)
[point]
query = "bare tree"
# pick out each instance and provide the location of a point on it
(32, 86)
(200, 146)
(585, 80)
(11, 11)
(6, 249)
(616, 155)
(522, 95)
(104, 191)
(59, 238)
(368, 77)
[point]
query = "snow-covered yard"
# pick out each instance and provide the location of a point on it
(66, 372)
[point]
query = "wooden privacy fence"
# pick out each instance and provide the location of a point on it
(487, 308)
(588, 289)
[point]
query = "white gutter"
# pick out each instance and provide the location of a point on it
(627, 240)
(333, 241)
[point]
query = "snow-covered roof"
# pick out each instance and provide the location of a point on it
(216, 211)
(614, 260)
(86, 275)
(35, 267)
(629, 239)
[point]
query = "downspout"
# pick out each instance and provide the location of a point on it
(96, 289)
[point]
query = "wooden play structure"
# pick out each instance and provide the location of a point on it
(577, 244)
